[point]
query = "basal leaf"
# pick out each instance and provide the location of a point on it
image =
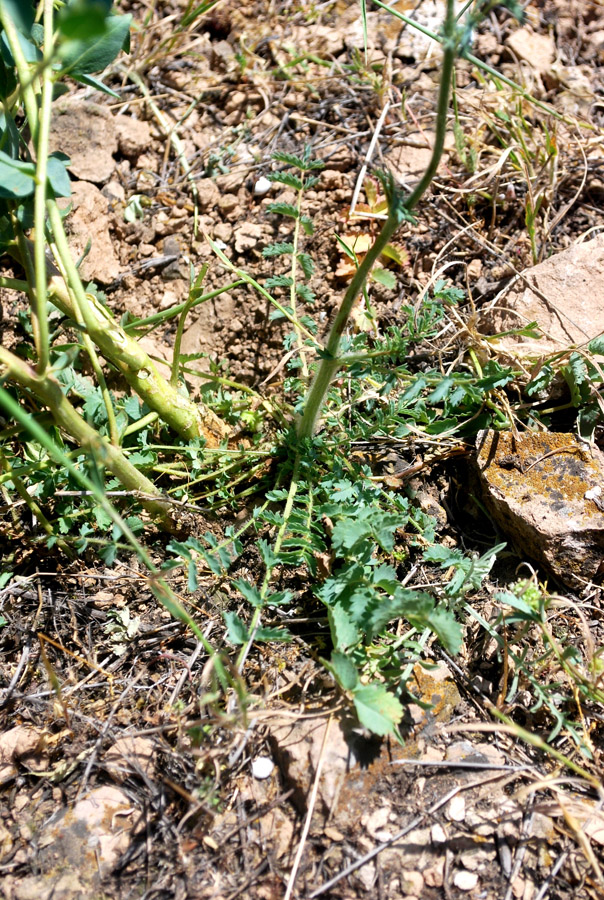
(272, 634)
(343, 670)
(384, 277)
(237, 632)
(249, 591)
(377, 709)
(95, 83)
(344, 632)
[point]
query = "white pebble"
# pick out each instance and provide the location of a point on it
(262, 767)
(464, 880)
(262, 186)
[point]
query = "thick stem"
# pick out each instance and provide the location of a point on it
(48, 390)
(185, 417)
(42, 145)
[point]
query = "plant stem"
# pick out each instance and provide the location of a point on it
(48, 390)
(42, 144)
(188, 419)
(397, 210)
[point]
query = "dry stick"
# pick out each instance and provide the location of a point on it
(400, 834)
(309, 814)
(368, 158)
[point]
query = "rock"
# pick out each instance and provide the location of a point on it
(133, 136)
(537, 49)
(539, 489)
(21, 743)
(411, 158)
(86, 133)
(247, 236)
(131, 755)
(88, 840)
(90, 222)
(465, 881)
(565, 303)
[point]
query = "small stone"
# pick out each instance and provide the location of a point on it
(262, 186)
(262, 767)
(247, 236)
(433, 877)
(412, 882)
(464, 880)
(457, 809)
(437, 833)
(474, 269)
(224, 232)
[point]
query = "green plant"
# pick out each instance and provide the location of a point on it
(78, 42)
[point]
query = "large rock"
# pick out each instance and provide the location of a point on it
(544, 491)
(90, 222)
(563, 295)
(86, 133)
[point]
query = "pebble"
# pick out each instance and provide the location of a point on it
(262, 767)
(465, 881)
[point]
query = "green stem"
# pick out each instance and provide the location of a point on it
(293, 299)
(186, 418)
(161, 590)
(42, 145)
(23, 70)
(49, 391)
(164, 315)
(397, 210)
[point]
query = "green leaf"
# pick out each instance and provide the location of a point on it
(287, 179)
(95, 83)
(58, 176)
(31, 53)
(237, 632)
(377, 709)
(272, 634)
(279, 249)
(343, 670)
(283, 209)
(82, 20)
(596, 346)
(306, 264)
(249, 591)
(95, 54)
(344, 633)
(21, 12)
(443, 624)
(17, 179)
(192, 583)
(384, 277)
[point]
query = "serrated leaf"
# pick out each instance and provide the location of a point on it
(237, 631)
(377, 709)
(286, 178)
(304, 292)
(283, 209)
(343, 670)
(249, 591)
(265, 633)
(384, 277)
(280, 249)
(306, 264)
(344, 633)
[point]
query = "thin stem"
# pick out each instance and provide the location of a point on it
(164, 315)
(293, 274)
(23, 71)
(397, 210)
(91, 351)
